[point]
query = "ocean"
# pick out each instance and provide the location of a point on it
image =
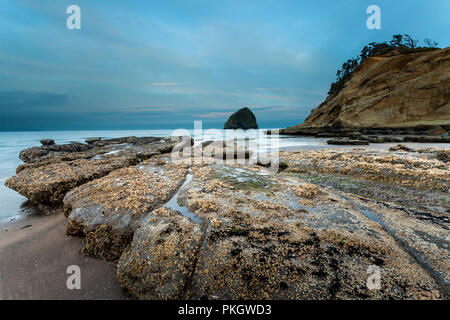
(14, 206)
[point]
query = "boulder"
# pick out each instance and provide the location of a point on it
(49, 183)
(47, 142)
(443, 155)
(92, 140)
(242, 119)
(401, 147)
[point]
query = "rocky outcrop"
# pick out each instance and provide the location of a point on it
(397, 94)
(107, 211)
(47, 142)
(347, 142)
(51, 171)
(162, 256)
(404, 191)
(267, 236)
(37, 153)
(242, 119)
(207, 229)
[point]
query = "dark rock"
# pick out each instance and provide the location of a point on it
(345, 142)
(242, 119)
(225, 150)
(272, 132)
(326, 135)
(47, 142)
(443, 155)
(36, 153)
(401, 147)
(336, 131)
(386, 140)
(92, 140)
(427, 139)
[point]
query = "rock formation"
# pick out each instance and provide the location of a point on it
(214, 230)
(50, 172)
(242, 119)
(403, 93)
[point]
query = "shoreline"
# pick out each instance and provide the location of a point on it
(35, 253)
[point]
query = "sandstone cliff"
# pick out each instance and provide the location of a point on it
(391, 91)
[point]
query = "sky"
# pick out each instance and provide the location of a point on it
(163, 64)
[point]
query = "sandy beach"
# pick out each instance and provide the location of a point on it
(35, 253)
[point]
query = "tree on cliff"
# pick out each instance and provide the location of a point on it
(404, 44)
(410, 42)
(397, 40)
(430, 43)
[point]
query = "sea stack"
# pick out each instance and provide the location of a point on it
(242, 119)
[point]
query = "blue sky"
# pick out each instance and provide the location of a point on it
(163, 64)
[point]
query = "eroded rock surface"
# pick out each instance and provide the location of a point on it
(207, 229)
(266, 236)
(162, 257)
(51, 171)
(405, 191)
(50, 149)
(107, 210)
(393, 91)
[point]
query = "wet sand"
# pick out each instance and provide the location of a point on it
(34, 255)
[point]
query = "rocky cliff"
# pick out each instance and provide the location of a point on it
(394, 90)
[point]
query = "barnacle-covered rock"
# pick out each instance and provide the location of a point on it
(50, 149)
(162, 256)
(259, 239)
(421, 170)
(282, 261)
(108, 210)
(47, 184)
(51, 171)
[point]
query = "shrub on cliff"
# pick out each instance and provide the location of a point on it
(404, 44)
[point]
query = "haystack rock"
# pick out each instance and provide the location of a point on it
(400, 93)
(242, 119)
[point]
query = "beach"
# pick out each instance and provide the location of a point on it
(108, 226)
(35, 253)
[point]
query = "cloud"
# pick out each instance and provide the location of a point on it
(166, 84)
(22, 101)
(173, 61)
(213, 115)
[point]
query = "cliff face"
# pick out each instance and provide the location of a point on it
(395, 90)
